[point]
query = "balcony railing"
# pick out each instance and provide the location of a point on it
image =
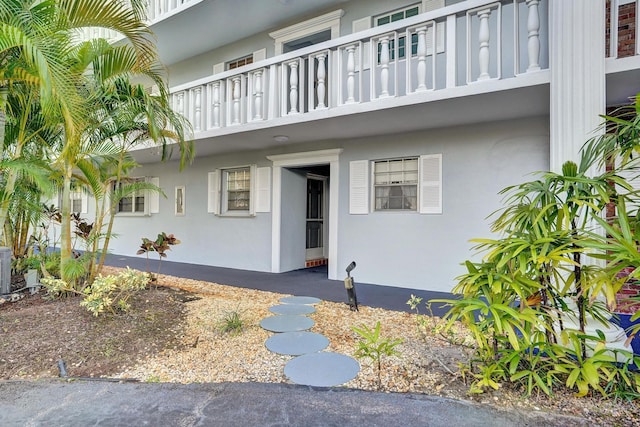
(461, 45)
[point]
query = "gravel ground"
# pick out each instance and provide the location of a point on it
(427, 363)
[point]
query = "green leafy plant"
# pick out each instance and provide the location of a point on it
(113, 292)
(528, 301)
(57, 288)
(232, 323)
(374, 347)
(161, 245)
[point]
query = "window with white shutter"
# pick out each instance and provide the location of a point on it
(412, 184)
(234, 191)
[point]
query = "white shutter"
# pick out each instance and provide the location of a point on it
(263, 189)
(431, 184)
(85, 202)
(218, 68)
(154, 196)
(361, 24)
(259, 55)
(359, 187)
(213, 192)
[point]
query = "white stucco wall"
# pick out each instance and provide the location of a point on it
(425, 251)
(391, 248)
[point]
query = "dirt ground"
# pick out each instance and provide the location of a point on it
(173, 334)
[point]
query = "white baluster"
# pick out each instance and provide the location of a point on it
(533, 28)
(293, 87)
(235, 91)
(483, 37)
(197, 107)
(351, 71)
(216, 104)
(257, 114)
(422, 59)
(180, 103)
(384, 66)
(321, 74)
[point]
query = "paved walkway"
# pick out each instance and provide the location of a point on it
(80, 403)
(310, 281)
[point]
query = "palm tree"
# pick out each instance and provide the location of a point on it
(130, 116)
(70, 80)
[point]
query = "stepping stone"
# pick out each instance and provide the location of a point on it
(297, 343)
(286, 323)
(292, 309)
(324, 369)
(299, 300)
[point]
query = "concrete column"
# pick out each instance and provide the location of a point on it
(577, 62)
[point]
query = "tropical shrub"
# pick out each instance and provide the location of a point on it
(542, 271)
(373, 346)
(113, 292)
(161, 245)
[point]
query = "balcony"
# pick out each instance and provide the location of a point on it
(434, 63)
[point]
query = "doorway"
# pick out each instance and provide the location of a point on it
(316, 213)
(290, 188)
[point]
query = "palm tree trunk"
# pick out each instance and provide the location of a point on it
(65, 224)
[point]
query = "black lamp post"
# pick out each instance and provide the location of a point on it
(351, 289)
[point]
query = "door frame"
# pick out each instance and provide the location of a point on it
(308, 158)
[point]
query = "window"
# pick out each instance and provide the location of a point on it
(407, 184)
(180, 200)
(236, 184)
(396, 184)
(239, 191)
(79, 199)
(394, 16)
(245, 60)
(139, 201)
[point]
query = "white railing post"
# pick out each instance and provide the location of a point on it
(180, 103)
(384, 66)
(483, 38)
(293, 87)
(422, 58)
(215, 103)
(197, 109)
(533, 29)
(257, 101)
(235, 95)
(321, 75)
(351, 71)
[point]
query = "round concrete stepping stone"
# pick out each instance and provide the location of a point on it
(286, 323)
(299, 300)
(292, 309)
(297, 343)
(324, 369)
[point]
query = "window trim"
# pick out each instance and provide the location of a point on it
(151, 200)
(180, 202)
(415, 184)
(328, 21)
(429, 187)
(217, 199)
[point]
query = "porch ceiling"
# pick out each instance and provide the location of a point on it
(495, 106)
(214, 23)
